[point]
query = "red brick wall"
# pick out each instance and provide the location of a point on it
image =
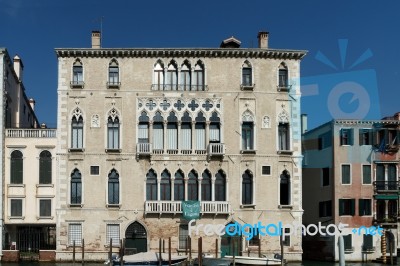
(10, 256)
(47, 255)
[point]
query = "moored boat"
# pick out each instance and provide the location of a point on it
(254, 260)
(149, 258)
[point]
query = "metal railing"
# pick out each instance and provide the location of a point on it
(386, 185)
(31, 133)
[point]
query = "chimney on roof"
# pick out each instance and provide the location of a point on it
(96, 39)
(32, 103)
(263, 39)
(18, 67)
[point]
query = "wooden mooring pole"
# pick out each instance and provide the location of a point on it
(169, 251)
(73, 252)
(83, 251)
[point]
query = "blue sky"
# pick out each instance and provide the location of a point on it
(351, 67)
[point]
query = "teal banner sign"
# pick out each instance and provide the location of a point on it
(191, 209)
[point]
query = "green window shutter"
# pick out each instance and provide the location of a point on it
(351, 136)
(361, 207)
(353, 207)
(341, 207)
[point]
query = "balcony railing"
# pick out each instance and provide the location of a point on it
(216, 149)
(143, 148)
(386, 185)
(389, 219)
(179, 87)
(283, 87)
(31, 133)
(113, 84)
(206, 207)
(77, 84)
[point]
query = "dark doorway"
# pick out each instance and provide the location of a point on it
(135, 238)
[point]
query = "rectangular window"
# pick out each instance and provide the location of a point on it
(113, 234)
(94, 170)
(368, 244)
(255, 241)
(266, 170)
(325, 208)
(77, 75)
(45, 208)
(346, 174)
(364, 207)
(283, 78)
(113, 75)
(366, 172)
(347, 207)
(172, 136)
(346, 136)
(75, 234)
(214, 133)
(16, 207)
(365, 136)
(325, 176)
(183, 236)
(347, 243)
(247, 136)
(286, 239)
(324, 141)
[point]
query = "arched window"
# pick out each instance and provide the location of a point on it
(45, 171)
(285, 188)
(247, 74)
(143, 132)
(179, 186)
(113, 73)
(206, 186)
(215, 128)
(158, 133)
(283, 77)
(172, 133)
(113, 187)
(76, 187)
(172, 77)
(113, 130)
(77, 73)
(200, 128)
(186, 134)
(198, 77)
(77, 130)
(159, 76)
(165, 185)
(220, 186)
(151, 185)
(283, 131)
(247, 188)
(17, 168)
(247, 131)
(193, 186)
(185, 76)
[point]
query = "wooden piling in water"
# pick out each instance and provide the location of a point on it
(159, 252)
(110, 253)
(200, 251)
(83, 251)
(73, 252)
(190, 248)
(169, 251)
(216, 248)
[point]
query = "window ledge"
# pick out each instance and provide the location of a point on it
(44, 185)
(16, 185)
(113, 85)
(16, 217)
(247, 87)
(349, 250)
(77, 85)
(368, 250)
(247, 206)
(44, 217)
(75, 205)
(76, 150)
(113, 150)
(289, 207)
(284, 88)
(248, 151)
(285, 152)
(113, 206)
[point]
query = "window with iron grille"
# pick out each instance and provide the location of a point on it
(183, 236)
(266, 170)
(112, 232)
(75, 234)
(45, 207)
(94, 170)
